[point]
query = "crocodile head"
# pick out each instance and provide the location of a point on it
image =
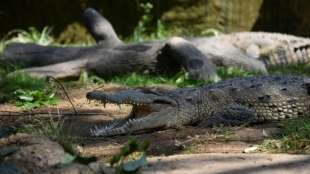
(150, 110)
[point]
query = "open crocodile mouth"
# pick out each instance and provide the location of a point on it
(142, 103)
(145, 103)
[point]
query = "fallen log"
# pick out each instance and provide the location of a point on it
(112, 57)
(159, 58)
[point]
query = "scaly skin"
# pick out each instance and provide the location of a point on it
(271, 48)
(231, 102)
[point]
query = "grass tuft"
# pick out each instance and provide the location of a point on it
(11, 83)
(52, 128)
(32, 35)
(179, 80)
(25, 91)
(294, 69)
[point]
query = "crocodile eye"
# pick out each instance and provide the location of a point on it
(189, 99)
(307, 86)
(158, 101)
(265, 98)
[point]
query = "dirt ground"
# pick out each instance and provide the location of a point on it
(186, 140)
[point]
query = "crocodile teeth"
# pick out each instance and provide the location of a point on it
(130, 121)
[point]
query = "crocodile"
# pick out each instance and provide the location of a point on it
(270, 48)
(231, 102)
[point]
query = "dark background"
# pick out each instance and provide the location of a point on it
(286, 16)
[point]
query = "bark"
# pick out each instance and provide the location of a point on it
(112, 57)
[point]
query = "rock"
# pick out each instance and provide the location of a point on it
(100, 167)
(71, 169)
(30, 154)
(251, 149)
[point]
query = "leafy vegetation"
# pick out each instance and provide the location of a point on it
(19, 88)
(26, 91)
(294, 69)
(131, 157)
(143, 32)
(180, 79)
(31, 99)
(32, 35)
(9, 84)
(134, 80)
(295, 138)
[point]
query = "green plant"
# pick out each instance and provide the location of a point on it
(293, 69)
(232, 72)
(32, 35)
(140, 30)
(181, 80)
(131, 157)
(25, 91)
(85, 78)
(30, 99)
(143, 31)
(12, 82)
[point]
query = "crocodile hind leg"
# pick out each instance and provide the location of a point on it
(232, 115)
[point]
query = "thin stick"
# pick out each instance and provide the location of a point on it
(21, 114)
(64, 90)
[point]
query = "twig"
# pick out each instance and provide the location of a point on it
(64, 90)
(21, 114)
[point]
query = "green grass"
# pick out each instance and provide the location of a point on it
(21, 89)
(295, 138)
(30, 99)
(180, 80)
(54, 128)
(296, 69)
(9, 84)
(25, 91)
(144, 29)
(135, 80)
(32, 35)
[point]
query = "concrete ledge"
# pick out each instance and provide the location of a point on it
(220, 163)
